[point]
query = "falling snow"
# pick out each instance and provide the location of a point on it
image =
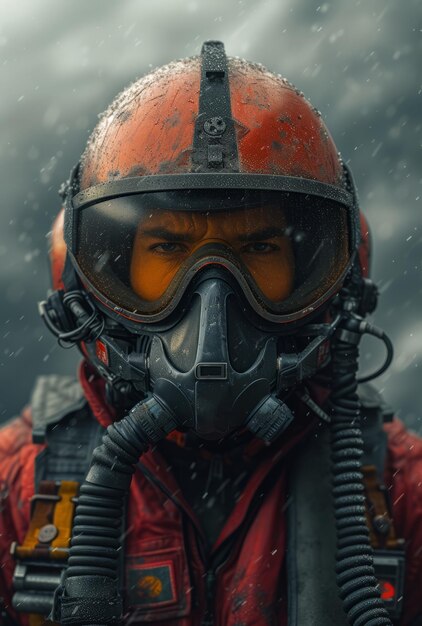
(357, 62)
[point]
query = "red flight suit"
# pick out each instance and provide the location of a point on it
(163, 539)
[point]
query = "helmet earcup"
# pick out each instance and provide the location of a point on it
(365, 247)
(57, 251)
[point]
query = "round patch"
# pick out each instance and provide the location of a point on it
(150, 587)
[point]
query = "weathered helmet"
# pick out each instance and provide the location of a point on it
(209, 215)
(212, 136)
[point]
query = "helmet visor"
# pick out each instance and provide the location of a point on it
(286, 251)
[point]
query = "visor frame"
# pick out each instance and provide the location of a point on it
(76, 201)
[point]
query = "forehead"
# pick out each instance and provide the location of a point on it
(240, 220)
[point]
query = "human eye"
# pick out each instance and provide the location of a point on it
(168, 247)
(259, 247)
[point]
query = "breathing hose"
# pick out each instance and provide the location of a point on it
(356, 579)
(90, 592)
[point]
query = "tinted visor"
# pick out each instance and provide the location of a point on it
(286, 250)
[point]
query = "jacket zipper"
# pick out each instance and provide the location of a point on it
(210, 577)
(211, 583)
(213, 567)
(210, 586)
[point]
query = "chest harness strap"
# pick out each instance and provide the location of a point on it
(61, 420)
(43, 553)
(312, 590)
(389, 554)
(388, 549)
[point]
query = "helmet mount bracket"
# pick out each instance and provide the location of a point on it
(215, 143)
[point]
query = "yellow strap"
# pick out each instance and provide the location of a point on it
(63, 517)
(47, 510)
(41, 514)
(57, 512)
(377, 507)
(39, 620)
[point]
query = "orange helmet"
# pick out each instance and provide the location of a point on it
(226, 146)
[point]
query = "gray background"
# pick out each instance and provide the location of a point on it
(61, 63)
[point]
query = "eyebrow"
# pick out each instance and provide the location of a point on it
(168, 235)
(264, 233)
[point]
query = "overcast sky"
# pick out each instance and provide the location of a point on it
(63, 62)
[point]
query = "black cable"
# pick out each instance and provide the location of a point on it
(88, 324)
(369, 329)
(356, 579)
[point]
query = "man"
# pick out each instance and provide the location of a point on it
(212, 266)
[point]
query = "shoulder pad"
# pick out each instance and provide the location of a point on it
(52, 399)
(371, 399)
(369, 396)
(373, 410)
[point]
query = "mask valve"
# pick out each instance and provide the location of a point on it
(270, 419)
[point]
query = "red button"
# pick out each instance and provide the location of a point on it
(387, 590)
(101, 351)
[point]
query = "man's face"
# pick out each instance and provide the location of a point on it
(166, 239)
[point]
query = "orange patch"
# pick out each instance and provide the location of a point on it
(149, 587)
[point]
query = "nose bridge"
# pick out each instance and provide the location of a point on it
(223, 225)
(206, 242)
(214, 228)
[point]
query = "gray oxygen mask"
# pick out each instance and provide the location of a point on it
(214, 369)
